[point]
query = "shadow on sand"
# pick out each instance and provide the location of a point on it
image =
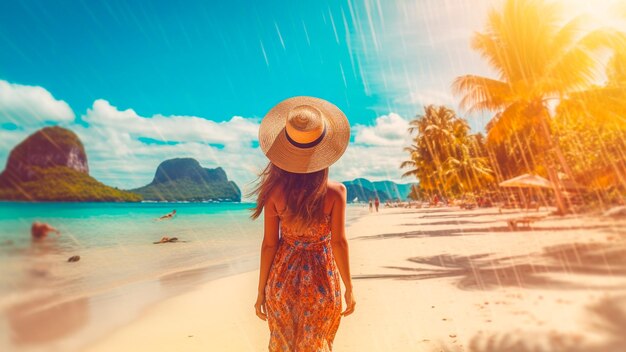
(484, 271)
(480, 231)
(450, 222)
(458, 214)
(607, 317)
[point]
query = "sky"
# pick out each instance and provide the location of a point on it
(142, 82)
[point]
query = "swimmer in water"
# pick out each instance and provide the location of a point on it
(166, 239)
(40, 230)
(168, 216)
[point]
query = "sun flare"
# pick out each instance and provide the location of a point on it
(601, 13)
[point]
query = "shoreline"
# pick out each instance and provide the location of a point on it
(428, 279)
(357, 212)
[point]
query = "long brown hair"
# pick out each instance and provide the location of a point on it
(304, 194)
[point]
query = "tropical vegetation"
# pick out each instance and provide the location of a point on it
(444, 156)
(63, 184)
(550, 115)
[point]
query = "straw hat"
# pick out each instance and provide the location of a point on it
(304, 134)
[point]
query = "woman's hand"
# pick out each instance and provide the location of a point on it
(259, 306)
(350, 303)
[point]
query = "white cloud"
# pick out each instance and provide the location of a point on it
(388, 130)
(373, 163)
(31, 105)
(172, 128)
(377, 151)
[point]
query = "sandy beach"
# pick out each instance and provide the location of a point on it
(431, 280)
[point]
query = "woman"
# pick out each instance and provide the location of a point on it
(304, 246)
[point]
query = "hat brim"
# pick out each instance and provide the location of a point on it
(275, 145)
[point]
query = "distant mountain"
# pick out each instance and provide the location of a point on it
(183, 179)
(51, 165)
(364, 189)
(357, 193)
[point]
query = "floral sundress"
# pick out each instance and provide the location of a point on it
(303, 292)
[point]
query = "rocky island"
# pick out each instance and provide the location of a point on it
(183, 179)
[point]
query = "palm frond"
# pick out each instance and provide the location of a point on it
(481, 93)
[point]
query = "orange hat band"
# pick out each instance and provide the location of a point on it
(306, 145)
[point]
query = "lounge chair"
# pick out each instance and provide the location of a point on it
(527, 221)
(468, 205)
(533, 205)
(510, 205)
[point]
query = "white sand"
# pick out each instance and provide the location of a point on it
(472, 285)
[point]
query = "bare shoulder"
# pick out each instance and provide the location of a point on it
(275, 195)
(336, 190)
(275, 201)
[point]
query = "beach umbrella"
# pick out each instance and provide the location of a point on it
(527, 181)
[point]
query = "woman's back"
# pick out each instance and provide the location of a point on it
(311, 233)
(303, 292)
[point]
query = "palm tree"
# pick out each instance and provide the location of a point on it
(435, 139)
(443, 157)
(537, 59)
(469, 169)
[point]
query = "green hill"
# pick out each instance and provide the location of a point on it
(64, 184)
(51, 165)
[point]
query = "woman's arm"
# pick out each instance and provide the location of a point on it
(268, 251)
(339, 244)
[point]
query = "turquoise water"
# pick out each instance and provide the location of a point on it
(114, 241)
(120, 271)
(106, 224)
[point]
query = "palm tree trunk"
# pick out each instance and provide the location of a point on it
(435, 156)
(522, 151)
(499, 175)
(552, 174)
